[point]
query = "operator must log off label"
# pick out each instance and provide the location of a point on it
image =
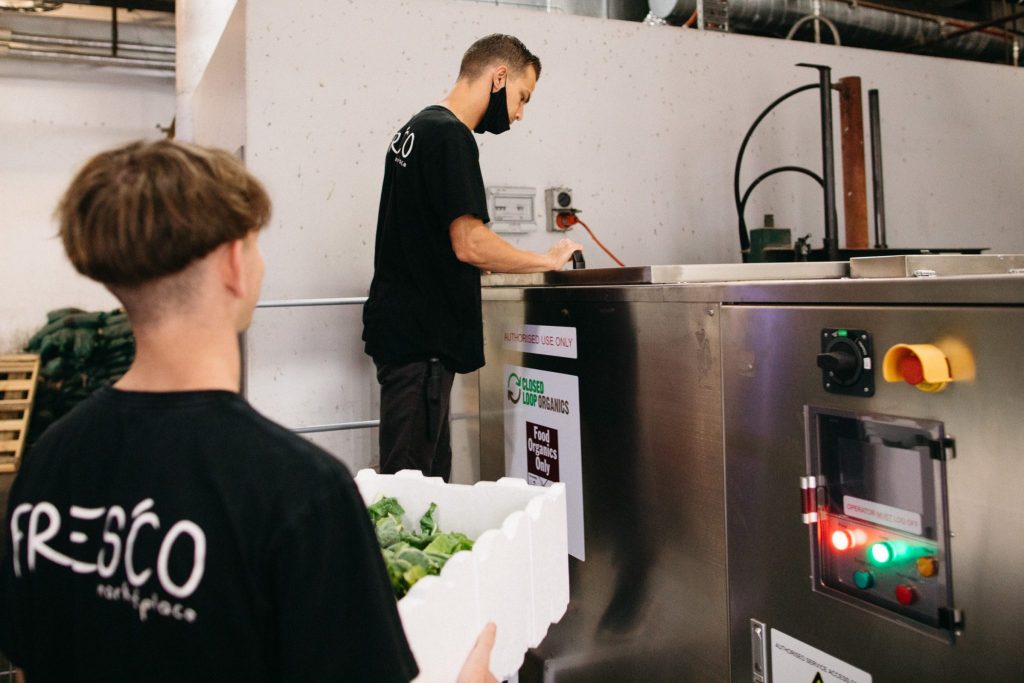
(546, 340)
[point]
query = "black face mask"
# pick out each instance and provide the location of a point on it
(495, 119)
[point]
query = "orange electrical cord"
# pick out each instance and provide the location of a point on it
(567, 220)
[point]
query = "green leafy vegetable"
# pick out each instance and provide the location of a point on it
(410, 555)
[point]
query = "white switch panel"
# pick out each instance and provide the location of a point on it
(512, 209)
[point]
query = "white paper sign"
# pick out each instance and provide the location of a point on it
(542, 438)
(796, 662)
(886, 515)
(547, 340)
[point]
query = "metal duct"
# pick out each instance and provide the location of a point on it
(633, 10)
(858, 25)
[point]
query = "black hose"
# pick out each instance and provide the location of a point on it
(744, 237)
(767, 174)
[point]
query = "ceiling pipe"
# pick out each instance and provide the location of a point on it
(998, 21)
(860, 24)
(53, 41)
(156, 59)
(95, 60)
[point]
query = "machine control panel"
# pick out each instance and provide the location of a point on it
(846, 362)
(881, 538)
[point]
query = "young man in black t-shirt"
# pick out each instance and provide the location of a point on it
(422, 322)
(164, 530)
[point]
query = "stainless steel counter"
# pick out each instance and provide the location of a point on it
(660, 275)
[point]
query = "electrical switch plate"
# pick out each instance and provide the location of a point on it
(557, 199)
(512, 209)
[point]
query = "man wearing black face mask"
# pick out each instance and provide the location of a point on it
(422, 321)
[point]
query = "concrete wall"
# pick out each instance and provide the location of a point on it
(199, 25)
(642, 122)
(215, 107)
(53, 118)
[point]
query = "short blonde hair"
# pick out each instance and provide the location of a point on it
(147, 210)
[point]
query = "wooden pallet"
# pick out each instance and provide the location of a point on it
(18, 374)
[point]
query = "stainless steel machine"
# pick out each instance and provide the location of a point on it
(755, 500)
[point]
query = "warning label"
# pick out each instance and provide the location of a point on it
(793, 660)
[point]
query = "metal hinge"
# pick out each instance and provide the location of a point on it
(809, 498)
(948, 448)
(951, 618)
(759, 651)
(941, 449)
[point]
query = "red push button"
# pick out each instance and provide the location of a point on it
(924, 366)
(906, 595)
(912, 370)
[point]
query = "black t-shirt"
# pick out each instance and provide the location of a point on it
(182, 536)
(423, 301)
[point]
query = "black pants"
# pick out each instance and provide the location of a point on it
(414, 407)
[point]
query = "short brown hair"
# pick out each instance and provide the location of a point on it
(494, 48)
(149, 209)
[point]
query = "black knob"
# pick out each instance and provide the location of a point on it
(577, 260)
(838, 362)
(841, 361)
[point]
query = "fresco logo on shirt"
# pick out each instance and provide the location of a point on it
(36, 528)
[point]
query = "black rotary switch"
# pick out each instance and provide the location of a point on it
(842, 362)
(846, 363)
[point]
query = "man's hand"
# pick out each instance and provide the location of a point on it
(562, 252)
(477, 666)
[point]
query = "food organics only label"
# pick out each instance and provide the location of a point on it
(542, 438)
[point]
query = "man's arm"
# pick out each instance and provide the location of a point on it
(474, 243)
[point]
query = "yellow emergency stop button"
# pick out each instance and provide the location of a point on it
(922, 365)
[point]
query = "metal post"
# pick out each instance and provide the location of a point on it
(878, 185)
(828, 171)
(113, 30)
(851, 136)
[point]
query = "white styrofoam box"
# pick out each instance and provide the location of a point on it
(517, 574)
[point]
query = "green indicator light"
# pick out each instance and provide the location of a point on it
(841, 333)
(881, 553)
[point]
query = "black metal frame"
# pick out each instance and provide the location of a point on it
(827, 179)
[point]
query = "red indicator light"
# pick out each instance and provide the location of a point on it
(841, 540)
